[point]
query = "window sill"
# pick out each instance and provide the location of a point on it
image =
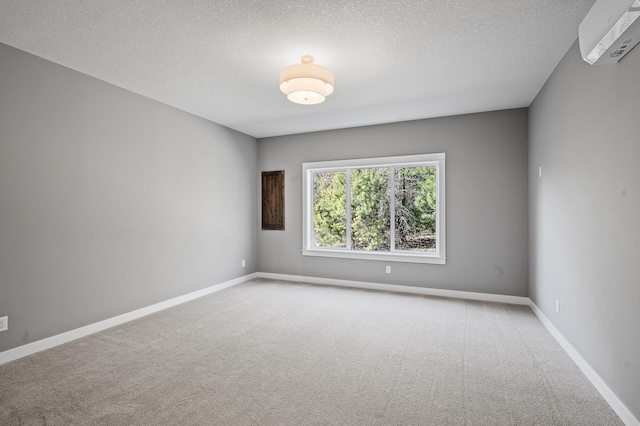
(387, 257)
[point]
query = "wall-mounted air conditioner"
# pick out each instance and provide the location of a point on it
(609, 31)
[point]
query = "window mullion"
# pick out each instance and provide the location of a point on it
(392, 209)
(348, 207)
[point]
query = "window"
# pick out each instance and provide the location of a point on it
(388, 208)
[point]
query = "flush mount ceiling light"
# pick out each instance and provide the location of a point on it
(306, 83)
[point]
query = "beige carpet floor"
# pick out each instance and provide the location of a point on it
(275, 353)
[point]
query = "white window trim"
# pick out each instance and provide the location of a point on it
(308, 169)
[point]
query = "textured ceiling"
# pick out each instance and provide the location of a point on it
(393, 60)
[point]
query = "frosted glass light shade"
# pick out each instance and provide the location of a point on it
(306, 83)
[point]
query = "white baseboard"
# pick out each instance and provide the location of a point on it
(618, 406)
(485, 297)
(59, 339)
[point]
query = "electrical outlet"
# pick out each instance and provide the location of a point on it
(387, 269)
(4, 323)
(557, 306)
(243, 263)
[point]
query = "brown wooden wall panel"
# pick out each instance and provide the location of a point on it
(273, 200)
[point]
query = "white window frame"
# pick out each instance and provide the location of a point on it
(308, 169)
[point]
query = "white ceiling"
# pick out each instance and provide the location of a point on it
(393, 60)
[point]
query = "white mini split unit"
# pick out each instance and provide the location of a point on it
(609, 31)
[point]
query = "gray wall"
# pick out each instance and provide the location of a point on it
(486, 192)
(585, 232)
(110, 201)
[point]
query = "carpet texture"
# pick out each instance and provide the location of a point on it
(276, 353)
